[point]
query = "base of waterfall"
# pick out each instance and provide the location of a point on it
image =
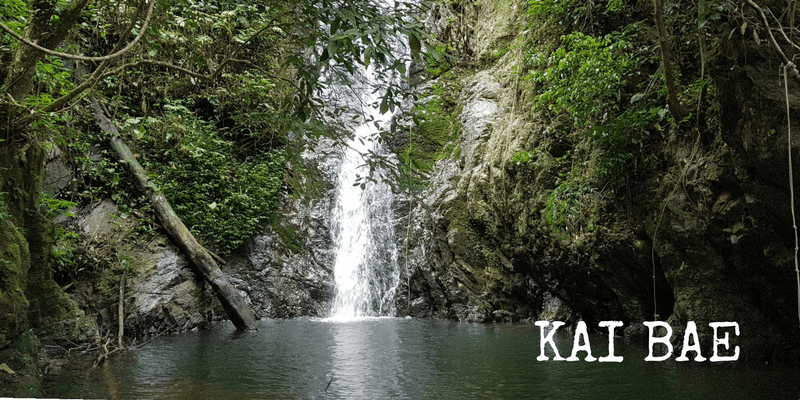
(345, 319)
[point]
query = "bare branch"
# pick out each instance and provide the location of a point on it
(783, 33)
(792, 68)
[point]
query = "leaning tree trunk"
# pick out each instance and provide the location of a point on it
(234, 304)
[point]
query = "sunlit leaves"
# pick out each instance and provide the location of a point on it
(415, 45)
(583, 76)
(13, 13)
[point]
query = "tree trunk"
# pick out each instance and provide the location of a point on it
(234, 304)
(121, 310)
(46, 28)
(666, 53)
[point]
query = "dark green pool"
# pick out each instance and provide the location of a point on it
(404, 359)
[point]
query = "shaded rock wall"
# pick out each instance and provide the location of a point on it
(466, 259)
(704, 236)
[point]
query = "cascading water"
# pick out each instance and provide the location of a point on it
(365, 271)
(366, 274)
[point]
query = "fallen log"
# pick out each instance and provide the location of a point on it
(234, 305)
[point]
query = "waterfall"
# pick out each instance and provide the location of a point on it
(366, 274)
(365, 271)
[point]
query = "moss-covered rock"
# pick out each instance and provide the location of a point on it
(14, 264)
(17, 195)
(22, 377)
(528, 222)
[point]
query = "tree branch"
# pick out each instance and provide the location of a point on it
(783, 33)
(243, 44)
(186, 71)
(62, 101)
(84, 58)
(792, 69)
(101, 73)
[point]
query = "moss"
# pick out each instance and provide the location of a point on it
(73, 324)
(49, 303)
(439, 62)
(291, 239)
(488, 58)
(14, 264)
(22, 357)
(437, 125)
(15, 257)
(571, 213)
(29, 298)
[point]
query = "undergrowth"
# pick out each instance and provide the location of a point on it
(223, 200)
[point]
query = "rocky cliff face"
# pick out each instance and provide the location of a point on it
(704, 235)
(284, 272)
(289, 273)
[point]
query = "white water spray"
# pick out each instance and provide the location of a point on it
(365, 270)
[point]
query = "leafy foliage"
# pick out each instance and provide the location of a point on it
(585, 78)
(584, 75)
(354, 33)
(566, 213)
(13, 11)
(568, 11)
(221, 198)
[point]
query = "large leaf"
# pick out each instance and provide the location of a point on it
(415, 45)
(335, 26)
(384, 104)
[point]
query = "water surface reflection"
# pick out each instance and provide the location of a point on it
(397, 358)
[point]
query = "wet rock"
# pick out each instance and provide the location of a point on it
(288, 270)
(168, 293)
(98, 220)
(58, 172)
(471, 255)
(635, 330)
(502, 316)
(479, 115)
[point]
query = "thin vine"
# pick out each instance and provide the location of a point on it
(791, 186)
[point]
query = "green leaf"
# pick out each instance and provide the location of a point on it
(335, 25)
(415, 46)
(384, 104)
(435, 54)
